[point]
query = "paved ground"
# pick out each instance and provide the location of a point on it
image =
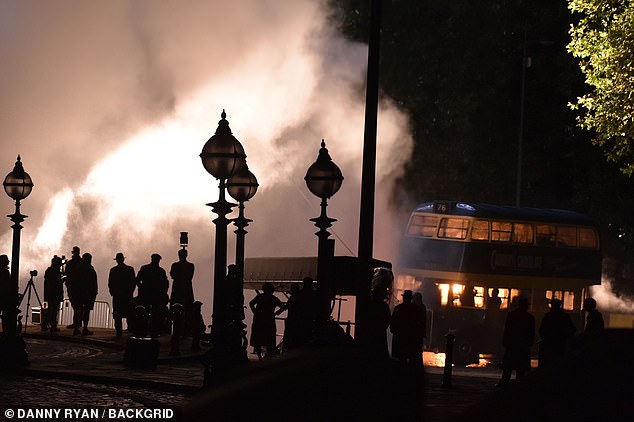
(72, 371)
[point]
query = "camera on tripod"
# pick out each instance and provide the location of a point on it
(33, 273)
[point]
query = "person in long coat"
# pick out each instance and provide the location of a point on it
(408, 329)
(73, 282)
(518, 337)
(86, 293)
(265, 306)
(121, 284)
(182, 273)
(153, 287)
(555, 331)
(53, 291)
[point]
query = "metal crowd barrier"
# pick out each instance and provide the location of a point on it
(100, 316)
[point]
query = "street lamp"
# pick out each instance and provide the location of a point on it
(323, 179)
(18, 185)
(222, 156)
(241, 187)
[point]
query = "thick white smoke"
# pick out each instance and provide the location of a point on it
(110, 102)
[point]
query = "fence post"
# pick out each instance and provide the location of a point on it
(446, 378)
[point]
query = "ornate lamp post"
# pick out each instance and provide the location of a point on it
(241, 187)
(222, 156)
(17, 185)
(323, 179)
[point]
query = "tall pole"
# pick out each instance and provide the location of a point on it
(16, 218)
(324, 260)
(368, 177)
(237, 298)
(526, 62)
(219, 316)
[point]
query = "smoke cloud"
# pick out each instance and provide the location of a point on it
(110, 102)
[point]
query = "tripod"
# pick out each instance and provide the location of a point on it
(30, 286)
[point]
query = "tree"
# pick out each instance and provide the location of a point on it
(603, 39)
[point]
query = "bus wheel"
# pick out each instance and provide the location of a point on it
(465, 354)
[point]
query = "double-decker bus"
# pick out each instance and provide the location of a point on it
(470, 260)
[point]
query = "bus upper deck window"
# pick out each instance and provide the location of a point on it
(522, 233)
(545, 235)
(588, 238)
(423, 225)
(453, 228)
(566, 236)
(501, 231)
(480, 230)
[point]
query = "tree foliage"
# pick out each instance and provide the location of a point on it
(603, 38)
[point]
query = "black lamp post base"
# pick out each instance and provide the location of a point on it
(225, 357)
(13, 355)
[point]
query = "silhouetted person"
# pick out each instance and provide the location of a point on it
(121, 284)
(417, 299)
(555, 330)
(378, 322)
(182, 273)
(431, 294)
(494, 302)
(594, 320)
(8, 296)
(467, 297)
(73, 283)
(292, 325)
(306, 306)
(53, 291)
(85, 293)
(518, 337)
(153, 286)
(408, 327)
(198, 325)
(265, 306)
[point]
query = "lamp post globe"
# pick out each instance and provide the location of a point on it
(243, 185)
(18, 184)
(222, 155)
(323, 178)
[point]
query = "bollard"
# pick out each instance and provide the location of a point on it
(446, 377)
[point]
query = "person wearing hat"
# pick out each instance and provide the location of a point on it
(519, 333)
(408, 329)
(153, 287)
(73, 282)
(555, 330)
(121, 284)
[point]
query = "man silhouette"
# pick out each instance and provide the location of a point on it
(153, 287)
(519, 332)
(53, 291)
(73, 281)
(121, 284)
(555, 330)
(408, 328)
(182, 273)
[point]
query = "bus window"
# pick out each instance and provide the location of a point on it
(567, 236)
(479, 297)
(501, 231)
(567, 297)
(522, 233)
(545, 235)
(503, 294)
(480, 230)
(588, 238)
(453, 228)
(423, 225)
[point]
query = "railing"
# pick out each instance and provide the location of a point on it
(100, 316)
